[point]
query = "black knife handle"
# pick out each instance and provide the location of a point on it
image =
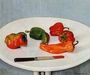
(23, 59)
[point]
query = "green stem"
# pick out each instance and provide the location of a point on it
(27, 31)
(66, 28)
(76, 43)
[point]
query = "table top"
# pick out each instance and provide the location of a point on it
(78, 10)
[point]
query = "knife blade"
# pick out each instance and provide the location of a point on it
(37, 58)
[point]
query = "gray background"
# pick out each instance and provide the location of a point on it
(78, 10)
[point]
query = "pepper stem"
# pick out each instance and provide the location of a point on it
(76, 43)
(27, 31)
(66, 28)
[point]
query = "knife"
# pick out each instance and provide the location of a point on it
(37, 58)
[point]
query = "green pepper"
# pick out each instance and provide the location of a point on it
(45, 38)
(36, 33)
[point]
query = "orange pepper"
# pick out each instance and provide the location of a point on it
(58, 48)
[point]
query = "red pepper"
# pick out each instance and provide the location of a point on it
(11, 41)
(22, 39)
(15, 41)
(56, 29)
(58, 48)
(66, 36)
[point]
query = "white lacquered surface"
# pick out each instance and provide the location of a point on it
(80, 55)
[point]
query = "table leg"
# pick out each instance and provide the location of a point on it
(42, 73)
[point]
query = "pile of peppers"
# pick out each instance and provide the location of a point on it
(66, 38)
